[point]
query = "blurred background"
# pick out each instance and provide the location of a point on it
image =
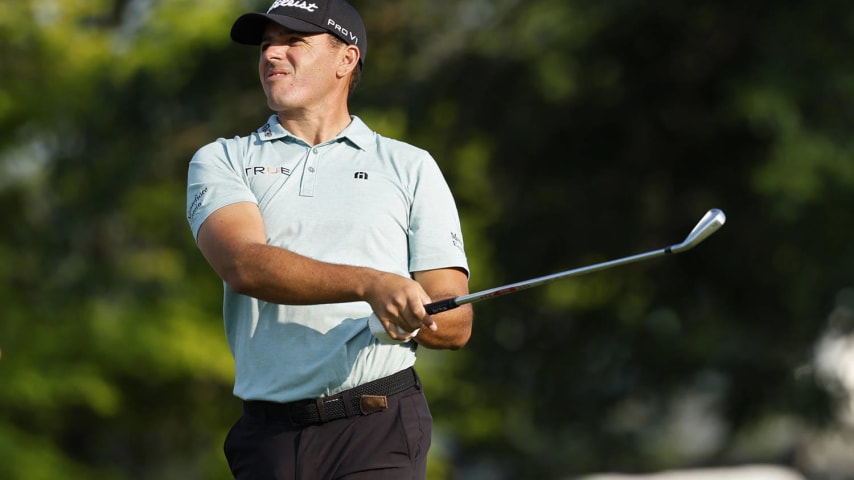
(571, 131)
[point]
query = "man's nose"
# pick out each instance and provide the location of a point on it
(274, 52)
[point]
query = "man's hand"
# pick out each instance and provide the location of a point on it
(453, 328)
(398, 303)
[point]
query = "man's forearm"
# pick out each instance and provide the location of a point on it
(455, 329)
(232, 239)
(280, 276)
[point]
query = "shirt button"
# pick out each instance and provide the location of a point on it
(311, 169)
(315, 151)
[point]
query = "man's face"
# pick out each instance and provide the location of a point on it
(297, 70)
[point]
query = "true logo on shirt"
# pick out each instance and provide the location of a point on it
(253, 171)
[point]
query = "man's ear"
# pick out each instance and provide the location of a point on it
(349, 60)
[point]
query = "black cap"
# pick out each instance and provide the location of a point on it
(336, 17)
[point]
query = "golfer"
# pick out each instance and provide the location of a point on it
(315, 223)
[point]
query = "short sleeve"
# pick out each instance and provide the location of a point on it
(435, 235)
(215, 179)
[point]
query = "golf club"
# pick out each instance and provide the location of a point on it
(709, 224)
(711, 221)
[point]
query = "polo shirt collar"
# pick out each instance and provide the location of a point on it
(356, 133)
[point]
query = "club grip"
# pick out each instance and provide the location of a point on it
(441, 306)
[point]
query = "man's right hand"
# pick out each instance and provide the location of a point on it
(399, 302)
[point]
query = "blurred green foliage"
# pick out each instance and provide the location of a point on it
(570, 131)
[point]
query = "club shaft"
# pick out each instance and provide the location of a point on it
(451, 303)
(711, 222)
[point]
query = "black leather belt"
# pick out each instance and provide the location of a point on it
(366, 398)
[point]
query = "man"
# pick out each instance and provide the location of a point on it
(315, 223)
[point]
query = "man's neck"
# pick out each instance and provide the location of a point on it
(315, 127)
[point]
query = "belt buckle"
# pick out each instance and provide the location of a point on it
(322, 402)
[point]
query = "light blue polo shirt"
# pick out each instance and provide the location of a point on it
(359, 199)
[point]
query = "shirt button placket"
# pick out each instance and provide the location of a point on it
(309, 177)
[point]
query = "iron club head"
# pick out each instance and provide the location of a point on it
(709, 224)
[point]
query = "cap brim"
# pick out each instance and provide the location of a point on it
(249, 28)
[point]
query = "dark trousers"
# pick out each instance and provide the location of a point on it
(387, 444)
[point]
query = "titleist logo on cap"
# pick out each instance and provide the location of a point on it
(336, 17)
(309, 7)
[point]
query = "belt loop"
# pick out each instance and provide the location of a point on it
(321, 409)
(346, 398)
(417, 378)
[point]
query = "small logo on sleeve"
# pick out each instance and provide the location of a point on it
(196, 204)
(457, 240)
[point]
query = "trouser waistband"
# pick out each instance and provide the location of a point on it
(361, 400)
